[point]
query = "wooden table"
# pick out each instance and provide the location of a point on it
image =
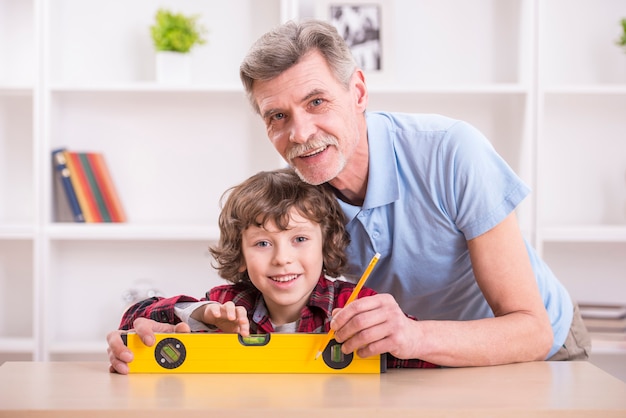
(541, 389)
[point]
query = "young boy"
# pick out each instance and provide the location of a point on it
(281, 240)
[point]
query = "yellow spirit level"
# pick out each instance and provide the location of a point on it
(231, 353)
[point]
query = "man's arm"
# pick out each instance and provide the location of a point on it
(519, 332)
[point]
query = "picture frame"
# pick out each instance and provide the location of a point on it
(366, 27)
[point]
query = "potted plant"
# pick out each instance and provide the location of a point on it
(622, 40)
(174, 35)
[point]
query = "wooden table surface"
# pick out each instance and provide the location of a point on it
(87, 389)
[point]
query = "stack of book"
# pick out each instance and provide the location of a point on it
(605, 322)
(83, 188)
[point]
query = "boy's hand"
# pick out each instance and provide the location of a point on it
(120, 355)
(227, 317)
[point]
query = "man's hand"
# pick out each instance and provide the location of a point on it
(375, 325)
(227, 317)
(120, 355)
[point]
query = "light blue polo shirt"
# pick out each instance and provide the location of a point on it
(434, 183)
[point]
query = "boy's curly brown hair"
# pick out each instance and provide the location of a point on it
(268, 196)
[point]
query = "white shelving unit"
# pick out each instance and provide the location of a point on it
(83, 77)
(80, 74)
(581, 152)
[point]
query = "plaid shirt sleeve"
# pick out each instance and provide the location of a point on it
(157, 308)
(396, 363)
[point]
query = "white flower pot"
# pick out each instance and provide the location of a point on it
(173, 67)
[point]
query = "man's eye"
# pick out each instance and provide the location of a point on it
(278, 116)
(317, 102)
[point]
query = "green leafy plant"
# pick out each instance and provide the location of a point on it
(177, 32)
(622, 41)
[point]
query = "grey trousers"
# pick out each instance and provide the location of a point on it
(577, 345)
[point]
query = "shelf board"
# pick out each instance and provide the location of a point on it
(17, 231)
(583, 233)
(608, 346)
(78, 347)
(129, 231)
(494, 88)
(584, 89)
(16, 345)
(15, 90)
(145, 87)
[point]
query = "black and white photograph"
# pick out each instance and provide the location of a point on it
(360, 26)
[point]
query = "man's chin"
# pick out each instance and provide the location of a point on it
(314, 178)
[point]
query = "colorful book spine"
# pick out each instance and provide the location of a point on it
(93, 186)
(65, 195)
(81, 186)
(107, 187)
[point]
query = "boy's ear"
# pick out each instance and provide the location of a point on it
(242, 268)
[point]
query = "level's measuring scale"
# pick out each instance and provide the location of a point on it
(231, 353)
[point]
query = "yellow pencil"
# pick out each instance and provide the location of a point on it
(353, 296)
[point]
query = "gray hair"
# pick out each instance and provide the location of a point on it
(284, 46)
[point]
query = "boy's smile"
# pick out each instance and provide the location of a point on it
(284, 279)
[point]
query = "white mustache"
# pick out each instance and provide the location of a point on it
(319, 141)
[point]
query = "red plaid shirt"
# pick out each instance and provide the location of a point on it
(314, 318)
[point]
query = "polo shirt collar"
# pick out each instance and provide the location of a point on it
(382, 182)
